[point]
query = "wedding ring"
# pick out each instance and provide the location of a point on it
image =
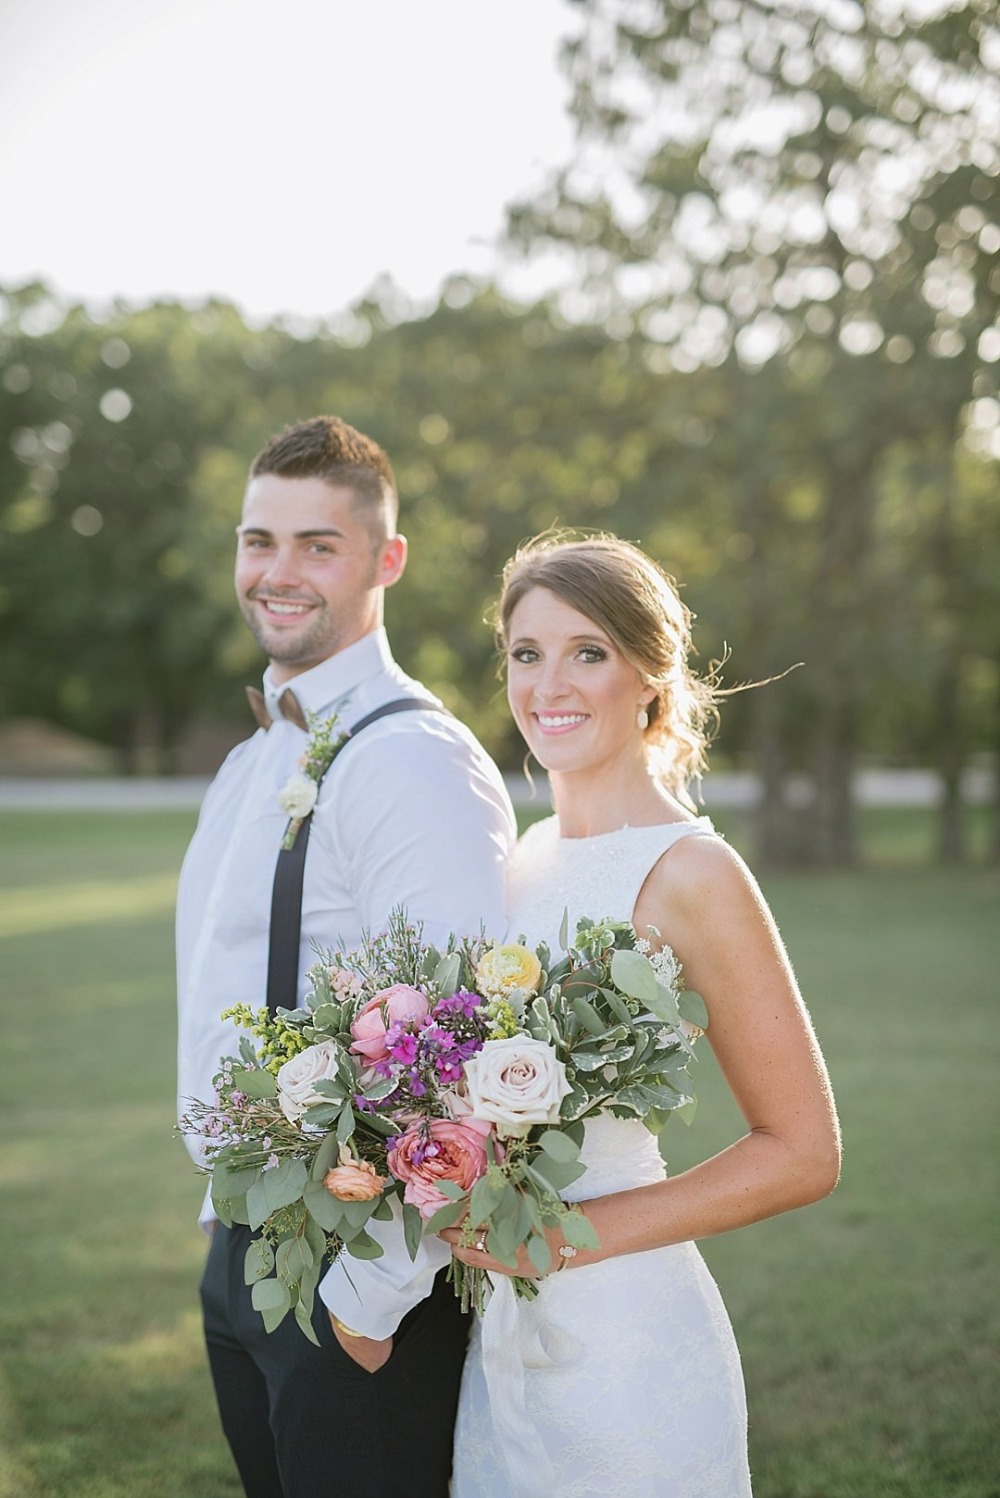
(481, 1245)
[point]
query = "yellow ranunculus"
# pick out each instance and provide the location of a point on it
(503, 969)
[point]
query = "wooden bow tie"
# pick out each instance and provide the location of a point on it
(289, 704)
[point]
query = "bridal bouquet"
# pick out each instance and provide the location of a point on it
(458, 1080)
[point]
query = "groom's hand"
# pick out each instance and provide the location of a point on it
(364, 1351)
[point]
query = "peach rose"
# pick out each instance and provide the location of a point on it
(444, 1150)
(357, 1181)
(399, 1002)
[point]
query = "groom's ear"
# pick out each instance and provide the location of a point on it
(392, 561)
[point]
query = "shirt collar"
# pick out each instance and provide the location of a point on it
(335, 678)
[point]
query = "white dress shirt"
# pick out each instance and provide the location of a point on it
(413, 814)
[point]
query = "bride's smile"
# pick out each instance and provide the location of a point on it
(574, 696)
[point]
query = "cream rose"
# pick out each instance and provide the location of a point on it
(298, 1077)
(503, 969)
(516, 1083)
(297, 796)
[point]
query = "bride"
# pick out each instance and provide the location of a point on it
(622, 1377)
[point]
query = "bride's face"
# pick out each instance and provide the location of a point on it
(574, 696)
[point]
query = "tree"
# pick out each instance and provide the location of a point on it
(809, 192)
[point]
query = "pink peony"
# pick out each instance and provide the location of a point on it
(387, 1008)
(455, 1151)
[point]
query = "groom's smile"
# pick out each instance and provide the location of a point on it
(309, 570)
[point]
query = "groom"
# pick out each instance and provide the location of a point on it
(412, 813)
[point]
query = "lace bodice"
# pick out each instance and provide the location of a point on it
(593, 876)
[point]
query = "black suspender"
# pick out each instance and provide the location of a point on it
(286, 892)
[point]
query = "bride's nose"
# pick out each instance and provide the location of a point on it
(550, 685)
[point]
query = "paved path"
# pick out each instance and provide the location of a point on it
(184, 793)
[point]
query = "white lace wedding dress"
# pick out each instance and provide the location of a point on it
(622, 1379)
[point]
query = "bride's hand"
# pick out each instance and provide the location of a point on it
(481, 1258)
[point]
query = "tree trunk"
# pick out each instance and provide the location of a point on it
(950, 749)
(951, 846)
(835, 822)
(779, 825)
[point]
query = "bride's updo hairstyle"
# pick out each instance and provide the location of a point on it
(624, 592)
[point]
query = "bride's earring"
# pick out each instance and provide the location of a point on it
(642, 718)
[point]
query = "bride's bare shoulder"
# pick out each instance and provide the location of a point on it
(697, 869)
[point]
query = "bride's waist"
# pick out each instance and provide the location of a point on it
(618, 1153)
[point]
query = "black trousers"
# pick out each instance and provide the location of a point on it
(308, 1422)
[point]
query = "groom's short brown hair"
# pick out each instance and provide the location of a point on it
(327, 448)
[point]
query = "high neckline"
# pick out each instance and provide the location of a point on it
(701, 822)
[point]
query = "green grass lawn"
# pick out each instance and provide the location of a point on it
(868, 1324)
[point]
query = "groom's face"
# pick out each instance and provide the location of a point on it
(311, 568)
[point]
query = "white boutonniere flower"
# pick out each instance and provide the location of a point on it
(297, 797)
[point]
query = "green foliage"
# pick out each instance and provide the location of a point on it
(779, 377)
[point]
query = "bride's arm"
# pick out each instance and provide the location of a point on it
(707, 906)
(709, 909)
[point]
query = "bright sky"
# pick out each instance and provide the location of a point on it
(280, 153)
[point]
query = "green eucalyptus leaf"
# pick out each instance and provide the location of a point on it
(413, 1228)
(270, 1295)
(326, 1157)
(664, 1005)
(579, 1230)
(363, 1247)
(303, 1315)
(323, 1208)
(485, 1195)
(446, 974)
(633, 974)
(444, 1217)
(382, 1211)
(539, 1253)
(345, 1124)
(276, 1188)
(358, 1213)
(559, 1145)
(554, 1175)
(258, 1261)
(229, 1182)
(256, 1084)
(692, 1008)
(223, 1211)
(451, 1189)
(317, 1242)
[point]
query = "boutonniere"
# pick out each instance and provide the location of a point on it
(297, 796)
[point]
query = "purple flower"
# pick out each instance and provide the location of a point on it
(403, 1049)
(463, 1002)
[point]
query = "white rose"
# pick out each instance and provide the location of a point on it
(298, 1077)
(515, 1083)
(297, 796)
